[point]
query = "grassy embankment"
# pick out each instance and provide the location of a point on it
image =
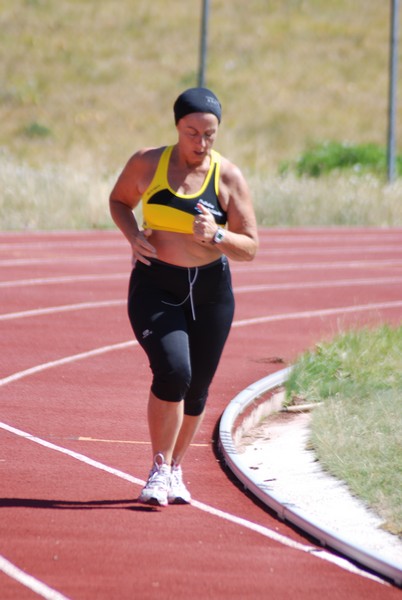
(357, 428)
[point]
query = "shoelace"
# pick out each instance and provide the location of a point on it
(177, 475)
(157, 477)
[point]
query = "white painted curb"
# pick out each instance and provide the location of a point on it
(283, 508)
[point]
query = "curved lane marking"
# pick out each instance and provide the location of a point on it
(61, 279)
(323, 312)
(18, 262)
(238, 290)
(50, 310)
(330, 235)
(39, 245)
(103, 277)
(66, 360)
(48, 593)
(261, 529)
(388, 246)
(272, 287)
(306, 266)
(391, 248)
(90, 238)
(241, 323)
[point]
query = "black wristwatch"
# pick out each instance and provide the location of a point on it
(219, 236)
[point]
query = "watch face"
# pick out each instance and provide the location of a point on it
(219, 235)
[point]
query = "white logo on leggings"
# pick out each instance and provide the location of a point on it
(146, 333)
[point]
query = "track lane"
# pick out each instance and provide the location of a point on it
(59, 405)
(218, 534)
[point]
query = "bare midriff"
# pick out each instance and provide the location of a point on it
(182, 250)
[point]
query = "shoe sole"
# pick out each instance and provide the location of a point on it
(179, 500)
(152, 502)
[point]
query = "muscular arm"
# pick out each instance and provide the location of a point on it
(125, 196)
(241, 239)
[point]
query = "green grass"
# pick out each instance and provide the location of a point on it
(327, 157)
(357, 428)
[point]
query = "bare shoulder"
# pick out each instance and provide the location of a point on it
(233, 186)
(136, 175)
(231, 174)
(145, 158)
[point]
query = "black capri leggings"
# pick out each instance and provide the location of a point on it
(182, 317)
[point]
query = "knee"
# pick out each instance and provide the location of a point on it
(171, 385)
(194, 406)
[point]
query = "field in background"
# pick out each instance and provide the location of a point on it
(88, 82)
(85, 83)
(58, 197)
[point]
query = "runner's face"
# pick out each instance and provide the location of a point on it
(197, 134)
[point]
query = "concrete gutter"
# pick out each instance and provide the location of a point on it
(285, 510)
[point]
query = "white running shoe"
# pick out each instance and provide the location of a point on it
(156, 489)
(178, 493)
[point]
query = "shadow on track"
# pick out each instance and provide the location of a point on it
(75, 504)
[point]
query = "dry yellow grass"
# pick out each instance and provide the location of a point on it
(55, 196)
(101, 77)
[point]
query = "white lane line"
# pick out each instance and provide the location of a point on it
(383, 246)
(308, 314)
(77, 455)
(343, 563)
(266, 531)
(101, 277)
(29, 581)
(319, 284)
(274, 235)
(124, 257)
(63, 279)
(39, 245)
(66, 360)
(328, 250)
(306, 266)
(238, 290)
(18, 262)
(50, 310)
(330, 236)
(125, 275)
(240, 323)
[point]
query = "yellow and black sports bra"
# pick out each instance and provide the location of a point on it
(165, 209)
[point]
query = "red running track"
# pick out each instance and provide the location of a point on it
(74, 439)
